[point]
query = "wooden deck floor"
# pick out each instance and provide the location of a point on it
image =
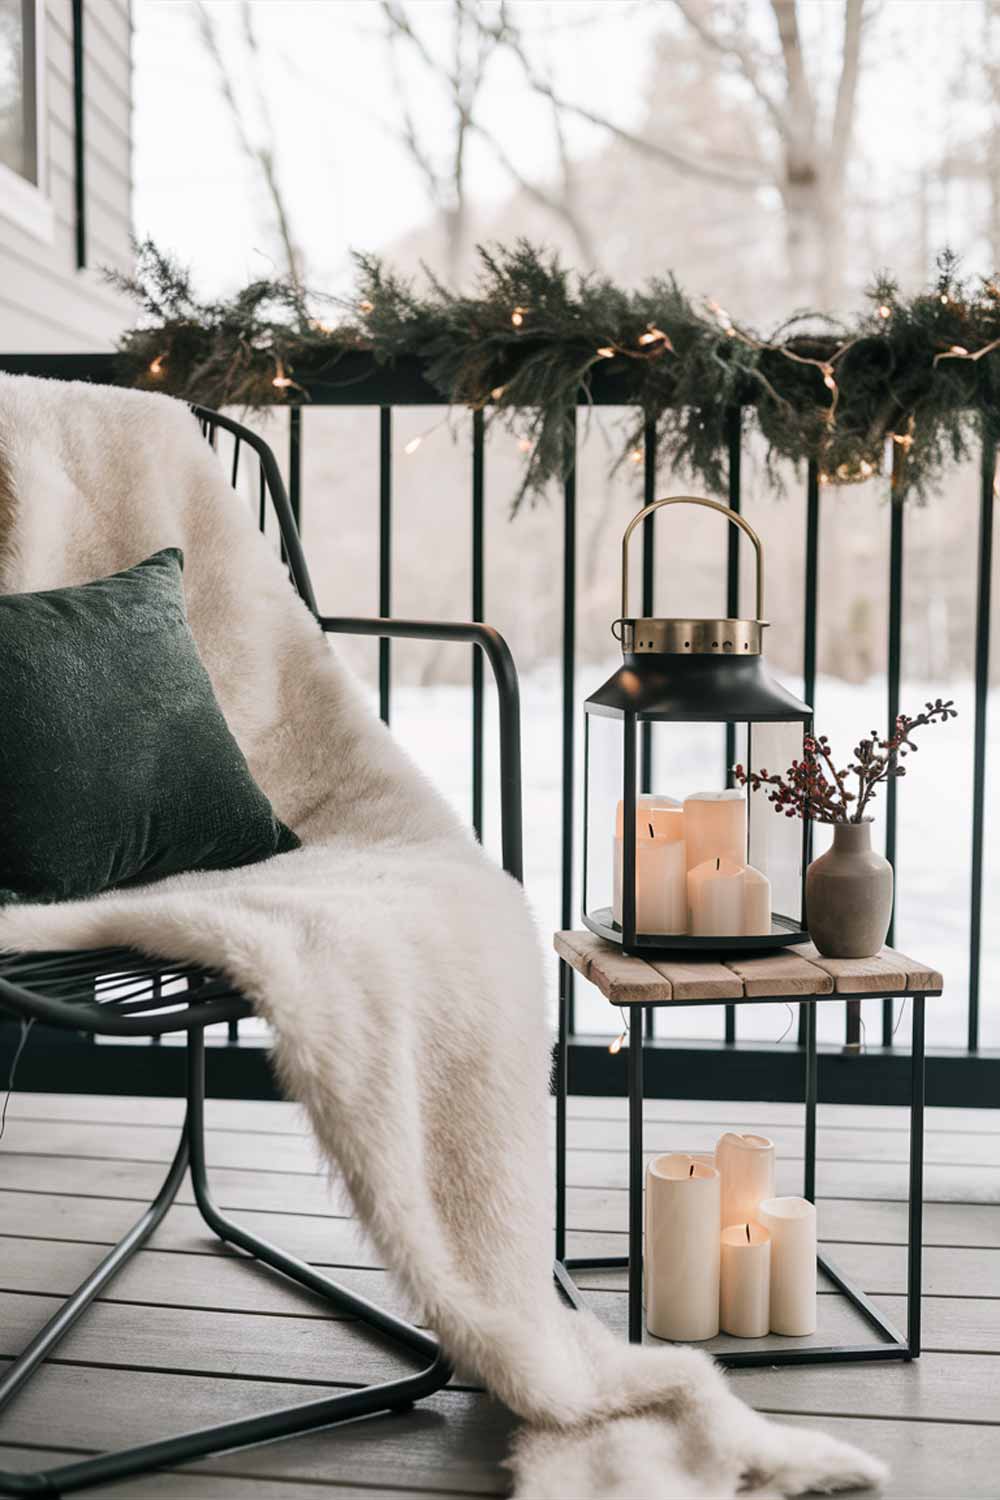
(186, 1335)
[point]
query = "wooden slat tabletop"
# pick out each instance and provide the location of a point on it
(799, 971)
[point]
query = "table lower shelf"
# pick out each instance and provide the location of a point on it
(891, 1346)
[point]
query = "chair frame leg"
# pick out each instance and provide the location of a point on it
(105, 1468)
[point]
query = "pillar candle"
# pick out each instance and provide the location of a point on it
(756, 903)
(791, 1223)
(728, 899)
(682, 1248)
(745, 1281)
(715, 823)
(715, 898)
(746, 1171)
(660, 866)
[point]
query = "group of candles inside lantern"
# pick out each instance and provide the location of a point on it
(691, 874)
(722, 1252)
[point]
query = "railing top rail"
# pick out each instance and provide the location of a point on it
(354, 378)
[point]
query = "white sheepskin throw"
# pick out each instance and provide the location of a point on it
(397, 965)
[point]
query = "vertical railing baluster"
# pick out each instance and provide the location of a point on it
(478, 491)
(235, 472)
(79, 133)
(810, 638)
(384, 555)
(261, 499)
(295, 464)
(895, 671)
(648, 606)
(984, 601)
(734, 423)
(569, 696)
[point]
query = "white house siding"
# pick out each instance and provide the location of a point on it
(46, 304)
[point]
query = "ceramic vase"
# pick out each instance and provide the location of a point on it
(849, 895)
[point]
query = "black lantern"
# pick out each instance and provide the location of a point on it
(707, 867)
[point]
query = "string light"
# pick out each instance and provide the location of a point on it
(413, 445)
(654, 335)
(497, 392)
(957, 351)
(867, 469)
(606, 352)
(525, 445)
(944, 299)
(366, 307)
(885, 311)
(156, 365)
(281, 380)
(635, 456)
(618, 1044)
(517, 316)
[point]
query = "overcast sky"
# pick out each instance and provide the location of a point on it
(349, 182)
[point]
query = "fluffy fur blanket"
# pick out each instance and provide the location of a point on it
(397, 965)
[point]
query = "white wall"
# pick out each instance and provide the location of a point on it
(46, 304)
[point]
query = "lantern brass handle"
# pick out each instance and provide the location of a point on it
(724, 510)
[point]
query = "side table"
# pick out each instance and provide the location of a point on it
(798, 973)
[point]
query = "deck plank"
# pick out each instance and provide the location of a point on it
(192, 1328)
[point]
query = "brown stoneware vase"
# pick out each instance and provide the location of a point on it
(849, 895)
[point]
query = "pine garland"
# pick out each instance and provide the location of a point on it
(917, 376)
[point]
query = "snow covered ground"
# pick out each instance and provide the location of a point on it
(935, 834)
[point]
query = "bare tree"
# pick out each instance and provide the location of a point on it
(257, 141)
(802, 154)
(461, 73)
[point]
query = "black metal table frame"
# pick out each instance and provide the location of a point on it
(892, 1344)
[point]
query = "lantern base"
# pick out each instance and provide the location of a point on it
(784, 932)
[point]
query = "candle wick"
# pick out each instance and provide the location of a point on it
(691, 1173)
(651, 833)
(718, 864)
(748, 1234)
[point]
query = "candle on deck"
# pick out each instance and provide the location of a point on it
(660, 866)
(715, 824)
(682, 1248)
(791, 1223)
(727, 898)
(746, 1173)
(745, 1281)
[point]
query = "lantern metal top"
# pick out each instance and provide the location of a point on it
(710, 670)
(692, 637)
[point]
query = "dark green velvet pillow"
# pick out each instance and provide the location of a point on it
(116, 764)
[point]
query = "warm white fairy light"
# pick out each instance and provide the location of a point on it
(365, 306)
(944, 299)
(635, 456)
(654, 335)
(497, 392)
(885, 311)
(413, 445)
(606, 351)
(723, 317)
(281, 380)
(618, 1044)
(867, 469)
(156, 365)
(525, 445)
(517, 316)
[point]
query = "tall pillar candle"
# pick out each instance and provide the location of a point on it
(746, 1172)
(715, 824)
(682, 1248)
(660, 866)
(745, 1281)
(791, 1223)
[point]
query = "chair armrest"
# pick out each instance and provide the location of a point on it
(492, 643)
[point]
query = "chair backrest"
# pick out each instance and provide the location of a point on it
(271, 492)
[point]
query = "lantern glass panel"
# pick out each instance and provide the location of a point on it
(776, 841)
(605, 773)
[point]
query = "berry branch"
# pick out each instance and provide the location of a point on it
(815, 788)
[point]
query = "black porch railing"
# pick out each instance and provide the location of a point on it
(727, 1068)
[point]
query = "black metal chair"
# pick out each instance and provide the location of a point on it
(119, 992)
